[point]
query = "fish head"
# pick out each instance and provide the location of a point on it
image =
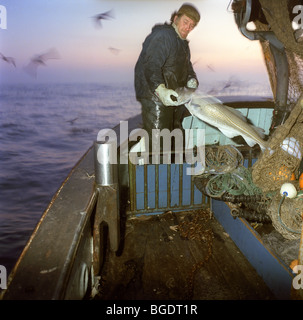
(184, 95)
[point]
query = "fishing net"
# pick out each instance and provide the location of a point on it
(279, 16)
(280, 163)
(224, 172)
(236, 182)
(286, 217)
(227, 179)
(220, 159)
(277, 164)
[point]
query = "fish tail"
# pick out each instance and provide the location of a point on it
(259, 131)
(264, 146)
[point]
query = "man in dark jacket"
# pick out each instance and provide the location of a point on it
(163, 66)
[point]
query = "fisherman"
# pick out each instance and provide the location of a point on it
(163, 66)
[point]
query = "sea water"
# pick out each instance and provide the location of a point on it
(44, 131)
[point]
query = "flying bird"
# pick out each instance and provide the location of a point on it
(72, 121)
(114, 50)
(231, 82)
(227, 85)
(8, 59)
(40, 60)
(211, 68)
(102, 16)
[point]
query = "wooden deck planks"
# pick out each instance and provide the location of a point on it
(156, 263)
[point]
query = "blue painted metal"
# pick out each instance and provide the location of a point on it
(151, 187)
(273, 270)
(139, 188)
(175, 185)
(156, 188)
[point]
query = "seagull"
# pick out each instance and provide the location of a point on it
(231, 82)
(39, 60)
(72, 121)
(114, 50)
(102, 16)
(227, 85)
(211, 68)
(8, 59)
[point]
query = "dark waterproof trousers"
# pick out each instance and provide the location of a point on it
(158, 116)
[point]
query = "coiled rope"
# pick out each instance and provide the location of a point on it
(237, 182)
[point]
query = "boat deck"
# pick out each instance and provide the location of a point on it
(179, 256)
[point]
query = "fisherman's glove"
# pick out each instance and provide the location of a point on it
(167, 96)
(192, 83)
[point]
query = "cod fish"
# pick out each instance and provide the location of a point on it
(229, 121)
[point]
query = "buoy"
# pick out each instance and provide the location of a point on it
(289, 190)
(301, 181)
(284, 174)
(294, 263)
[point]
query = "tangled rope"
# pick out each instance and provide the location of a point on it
(237, 182)
(224, 159)
(286, 216)
(226, 172)
(227, 179)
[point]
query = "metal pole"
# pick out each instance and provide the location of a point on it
(108, 205)
(106, 171)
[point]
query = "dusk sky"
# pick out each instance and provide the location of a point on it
(108, 54)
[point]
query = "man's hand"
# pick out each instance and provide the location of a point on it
(166, 95)
(192, 83)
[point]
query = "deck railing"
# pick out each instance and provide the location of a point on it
(156, 188)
